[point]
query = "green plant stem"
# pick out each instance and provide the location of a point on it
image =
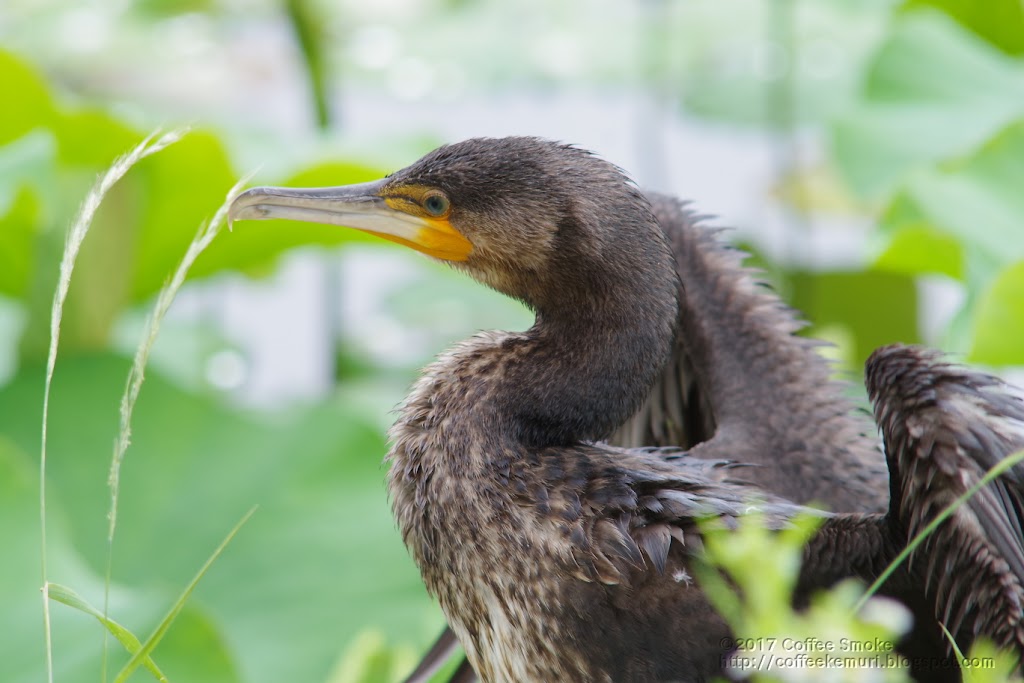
(147, 648)
(136, 374)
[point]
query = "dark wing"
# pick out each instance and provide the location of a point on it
(741, 379)
(645, 533)
(632, 519)
(944, 427)
(624, 510)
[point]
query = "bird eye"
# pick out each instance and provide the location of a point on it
(436, 204)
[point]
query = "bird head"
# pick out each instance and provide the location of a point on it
(511, 212)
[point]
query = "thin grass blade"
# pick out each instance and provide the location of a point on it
(161, 630)
(1001, 466)
(66, 596)
(136, 374)
(76, 235)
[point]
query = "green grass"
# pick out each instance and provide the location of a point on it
(140, 652)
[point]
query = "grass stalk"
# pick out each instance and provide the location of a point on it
(143, 653)
(136, 374)
(76, 235)
(66, 596)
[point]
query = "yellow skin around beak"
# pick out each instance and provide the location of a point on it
(364, 207)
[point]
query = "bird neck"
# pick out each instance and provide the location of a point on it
(591, 357)
(606, 305)
(580, 375)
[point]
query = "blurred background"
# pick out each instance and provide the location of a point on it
(868, 153)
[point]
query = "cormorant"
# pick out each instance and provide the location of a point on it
(558, 557)
(737, 363)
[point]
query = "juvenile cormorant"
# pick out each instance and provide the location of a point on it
(557, 557)
(737, 363)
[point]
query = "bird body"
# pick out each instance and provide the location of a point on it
(497, 528)
(558, 557)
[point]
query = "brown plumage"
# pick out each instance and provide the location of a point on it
(553, 555)
(740, 381)
(944, 428)
(737, 363)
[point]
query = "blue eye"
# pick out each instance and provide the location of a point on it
(436, 204)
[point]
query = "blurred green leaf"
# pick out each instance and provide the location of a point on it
(170, 8)
(750, 577)
(1000, 22)
(198, 649)
(369, 660)
(27, 103)
(321, 562)
(93, 138)
(27, 162)
(999, 320)
(918, 248)
(144, 225)
(977, 200)
(17, 234)
(990, 665)
(933, 91)
(141, 656)
(174, 192)
(878, 308)
(308, 26)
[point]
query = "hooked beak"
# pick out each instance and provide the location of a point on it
(358, 206)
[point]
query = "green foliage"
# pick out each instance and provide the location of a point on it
(985, 664)
(319, 562)
(49, 155)
(843, 635)
(925, 118)
(775, 643)
(932, 91)
(999, 323)
(999, 22)
(940, 131)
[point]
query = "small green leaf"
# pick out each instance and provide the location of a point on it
(66, 596)
(999, 321)
(142, 654)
